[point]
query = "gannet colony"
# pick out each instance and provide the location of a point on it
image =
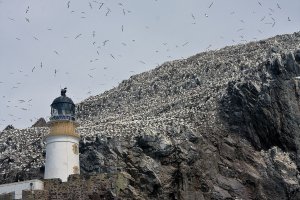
(222, 124)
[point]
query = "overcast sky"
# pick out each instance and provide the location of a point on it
(91, 46)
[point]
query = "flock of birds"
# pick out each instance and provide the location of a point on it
(177, 97)
(100, 44)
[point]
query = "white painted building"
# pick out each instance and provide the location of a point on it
(18, 187)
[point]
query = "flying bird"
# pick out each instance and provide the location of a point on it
(185, 44)
(27, 9)
(33, 69)
(211, 5)
(259, 3)
(193, 16)
(78, 36)
(68, 4)
(278, 6)
(27, 19)
(101, 5)
(105, 41)
(108, 11)
(56, 52)
(262, 19)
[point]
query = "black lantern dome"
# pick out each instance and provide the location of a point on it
(63, 108)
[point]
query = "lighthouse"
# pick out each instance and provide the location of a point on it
(62, 142)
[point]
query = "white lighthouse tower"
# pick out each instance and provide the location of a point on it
(62, 143)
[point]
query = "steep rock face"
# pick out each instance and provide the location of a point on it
(218, 125)
(264, 104)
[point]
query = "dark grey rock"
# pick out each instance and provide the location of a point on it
(218, 125)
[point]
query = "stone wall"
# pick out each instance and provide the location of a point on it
(7, 196)
(100, 186)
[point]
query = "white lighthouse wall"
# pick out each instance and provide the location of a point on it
(61, 157)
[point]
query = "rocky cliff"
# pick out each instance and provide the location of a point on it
(221, 124)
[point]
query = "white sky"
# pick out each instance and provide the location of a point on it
(154, 31)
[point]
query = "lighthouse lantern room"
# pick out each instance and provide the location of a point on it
(62, 142)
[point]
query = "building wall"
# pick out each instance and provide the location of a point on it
(18, 187)
(62, 157)
(100, 186)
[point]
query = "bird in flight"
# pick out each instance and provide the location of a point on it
(193, 16)
(68, 4)
(105, 41)
(78, 36)
(185, 44)
(27, 9)
(108, 11)
(101, 5)
(262, 19)
(27, 19)
(211, 5)
(32, 69)
(278, 6)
